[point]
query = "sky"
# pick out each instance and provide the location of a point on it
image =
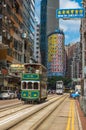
(71, 28)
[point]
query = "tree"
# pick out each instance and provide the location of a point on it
(52, 81)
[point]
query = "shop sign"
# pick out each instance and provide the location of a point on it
(17, 67)
(70, 13)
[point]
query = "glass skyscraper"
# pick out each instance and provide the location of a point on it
(48, 23)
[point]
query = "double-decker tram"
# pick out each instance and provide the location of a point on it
(59, 87)
(34, 83)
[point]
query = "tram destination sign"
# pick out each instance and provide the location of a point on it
(26, 76)
(70, 13)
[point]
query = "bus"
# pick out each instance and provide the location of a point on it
(34, 83)
(59, 87)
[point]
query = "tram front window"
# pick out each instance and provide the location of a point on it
(35, 85)
(29, 85)
(24, 85)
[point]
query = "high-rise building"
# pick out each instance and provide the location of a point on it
(43, 32)
(16, 33)
(48, 23)
(17, 20)
(28, 28)
(37, 43)
(56, 54)
(83, 48)
(52, 22)
(74, 61)
(11, 22)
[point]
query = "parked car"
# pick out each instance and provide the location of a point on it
(7, 94)
(74, 95)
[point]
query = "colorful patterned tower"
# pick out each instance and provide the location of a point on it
(56, 54)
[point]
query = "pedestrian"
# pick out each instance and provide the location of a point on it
(19, 94)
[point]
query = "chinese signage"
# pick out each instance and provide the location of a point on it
(16, 67)
(70, 13)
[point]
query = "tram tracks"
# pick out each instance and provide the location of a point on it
(13, 105)
(10, 108)
(7, 107)
(10, 122)
(13, 109)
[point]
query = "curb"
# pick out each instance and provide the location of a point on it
(79, 121)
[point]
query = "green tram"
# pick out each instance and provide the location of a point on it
(34, 83)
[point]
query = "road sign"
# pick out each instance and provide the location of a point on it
(70, 13)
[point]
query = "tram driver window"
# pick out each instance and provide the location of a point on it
(35, 85)
(29, 85)
(24, 85)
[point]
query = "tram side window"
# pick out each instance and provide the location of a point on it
(24, 85)
(35, 85)
(29, 85)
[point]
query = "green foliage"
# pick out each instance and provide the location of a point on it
(52, 81)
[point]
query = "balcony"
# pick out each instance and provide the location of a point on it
(19, 17)
(14, 21)
(5, 26)
(20, 3)
(9, 58)
(11, 32)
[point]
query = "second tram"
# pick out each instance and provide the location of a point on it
(59, 87)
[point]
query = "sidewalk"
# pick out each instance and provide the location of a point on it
(81, 115)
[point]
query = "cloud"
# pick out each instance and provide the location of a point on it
(37, 9)
(70, 27)
(69, 4)
(37, 3)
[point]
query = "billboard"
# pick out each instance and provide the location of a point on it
(70, 13)
(17, 68)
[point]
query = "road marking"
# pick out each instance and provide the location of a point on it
(70, 123)
(72, 115)
(69, 118)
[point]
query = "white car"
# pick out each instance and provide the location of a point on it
(7, 94)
